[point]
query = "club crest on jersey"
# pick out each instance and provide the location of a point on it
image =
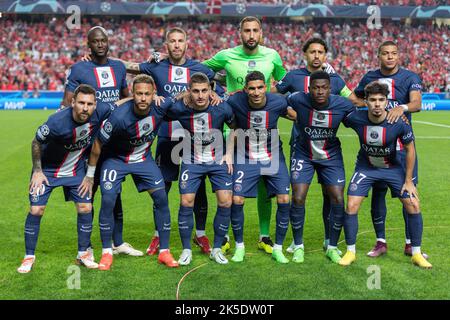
(105, 77)
(178, 74)
(252, 64)
(374, 135)
(146, 126)
(83, 133)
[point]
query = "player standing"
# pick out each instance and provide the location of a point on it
(238, 62)
(404, 98)
(108, 77)
(128, 134)
(317, 148)
(172, 76)
(58, 153)
(259, 157)
(203, 157)
(298, 80)
(377, 162)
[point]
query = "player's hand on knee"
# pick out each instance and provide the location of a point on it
(37, 180)
(410, 188)
(86, 58)
(228, 159)
(215, 99)
(394, 114)
(158, 100)
(86, 187)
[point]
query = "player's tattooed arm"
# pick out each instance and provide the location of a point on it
(38, 178)
(410, 162)
(88, 180)
(132, 67)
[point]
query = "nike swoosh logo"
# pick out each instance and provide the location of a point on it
(228, 184)
(339, 181)
(158, 182)
(182, 222)
(414, 178)
(166, 224)
(287, 189)
(177, 79)
(105, 83)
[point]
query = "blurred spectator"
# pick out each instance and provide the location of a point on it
(36, 55)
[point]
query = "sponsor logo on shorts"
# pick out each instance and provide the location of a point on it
(353, 187)
(108, 185)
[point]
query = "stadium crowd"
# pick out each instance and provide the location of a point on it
(327, 2)
(35, 56)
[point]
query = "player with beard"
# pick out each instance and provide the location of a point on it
(108, 78)
(238, 62)
(298, 80)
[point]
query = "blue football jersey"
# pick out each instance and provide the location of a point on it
(400, 85)
(378, 141)
(258, 124)
(201, 125)
(107, 79)
(171, 80)
(298, 80)
(128, 136)
(65, 141)
(318, 127)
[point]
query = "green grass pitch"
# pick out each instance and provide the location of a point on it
(259, 277)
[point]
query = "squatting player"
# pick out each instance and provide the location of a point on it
(128, 134)
(404, 98)
(259, 156)
(58, 153)
(319, 114)
(315, 54)
(203, 155)
(172, 76)
(108, 77)
(377, 161)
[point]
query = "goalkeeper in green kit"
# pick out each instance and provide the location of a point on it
(238, 62)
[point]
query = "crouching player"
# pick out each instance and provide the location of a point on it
(203, 151)
(377, 161)
(58, 153)
(128, 134)
(259, 154)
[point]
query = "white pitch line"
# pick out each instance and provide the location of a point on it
(432, 124)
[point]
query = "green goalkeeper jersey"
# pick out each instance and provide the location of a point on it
(238, 64)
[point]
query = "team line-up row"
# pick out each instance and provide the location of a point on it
(128, 131)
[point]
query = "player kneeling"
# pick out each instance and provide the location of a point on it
(128, 134)
(378, 161)
(259, 155)
(58, 153)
